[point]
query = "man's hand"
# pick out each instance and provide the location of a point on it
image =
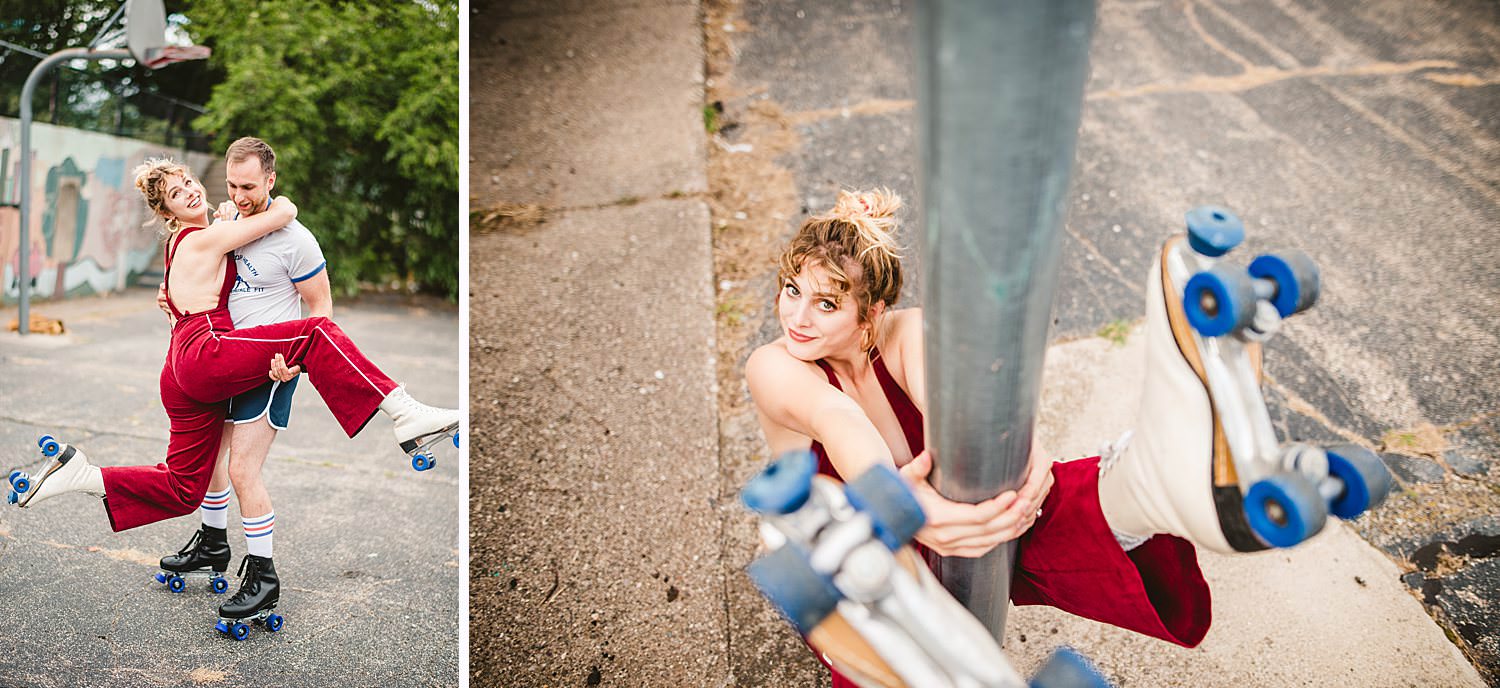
(971, 530)
(225, 211)
(280, 372)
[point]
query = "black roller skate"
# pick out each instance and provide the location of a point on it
(256, 600)
(206, 555)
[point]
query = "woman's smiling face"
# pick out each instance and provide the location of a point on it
(818, 319)
(184, 198)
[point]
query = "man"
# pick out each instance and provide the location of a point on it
(276, 274)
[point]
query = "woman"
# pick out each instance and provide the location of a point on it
(208, 361)
(846, 380)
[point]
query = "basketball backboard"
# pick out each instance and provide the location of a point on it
(146, 36)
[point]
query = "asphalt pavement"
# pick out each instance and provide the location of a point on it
(367, 549)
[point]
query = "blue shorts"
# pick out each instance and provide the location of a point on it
(272, 400)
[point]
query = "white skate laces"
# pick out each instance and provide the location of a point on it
(1110, 452)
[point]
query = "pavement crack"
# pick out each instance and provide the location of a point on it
(1256, 77)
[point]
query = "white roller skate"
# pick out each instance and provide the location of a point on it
(68, 470)
(839, 570)
(419, 427)
(1204, 462)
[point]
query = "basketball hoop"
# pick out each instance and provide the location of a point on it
(146, 36)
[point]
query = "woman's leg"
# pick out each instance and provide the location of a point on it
(137, 495)
(1071, 560)
(228, 362)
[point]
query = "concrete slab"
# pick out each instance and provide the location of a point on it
(366, 548)
(586, 107)
(594, 529)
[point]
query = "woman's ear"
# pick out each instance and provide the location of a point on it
(876, 309)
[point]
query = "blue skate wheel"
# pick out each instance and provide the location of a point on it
(420, 462)
(11, 497)
(1213, 231)
(801, 594)
(882, 494)
(22, 484)
(219, 585)
(455, 439)
(1365, 477)
(1296, 278)
(15, 474)
(273, 623)
(176, 584)
(239, 631)
(50, 447)
(161, 578)
(1068, 669)
(1284, 509)
(43, 440)
(783, 487)
(1219, 301)
(222, 627)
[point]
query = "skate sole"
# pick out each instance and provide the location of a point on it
(1224, 479)
(36, 487)
(423, 442)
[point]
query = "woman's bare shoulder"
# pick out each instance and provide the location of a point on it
(771, 360)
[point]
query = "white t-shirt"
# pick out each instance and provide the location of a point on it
(269, 268)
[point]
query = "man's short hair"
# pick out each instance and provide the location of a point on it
(248, 147)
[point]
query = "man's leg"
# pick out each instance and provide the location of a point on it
(260, 586)
(252, 443)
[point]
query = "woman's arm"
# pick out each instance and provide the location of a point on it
(228, 235)
(957, 528)
(791, 394)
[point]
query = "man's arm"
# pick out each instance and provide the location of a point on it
(316, 294)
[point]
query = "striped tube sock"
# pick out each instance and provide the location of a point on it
(258, 530)
(215, 509)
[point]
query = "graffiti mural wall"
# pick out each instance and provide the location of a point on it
(87, 229)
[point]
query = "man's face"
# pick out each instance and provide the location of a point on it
(249, 186)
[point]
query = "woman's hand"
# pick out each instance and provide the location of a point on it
(280, 372)
(959, 529)
(285, 205)
(225, 211)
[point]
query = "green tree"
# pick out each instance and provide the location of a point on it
(360, 101)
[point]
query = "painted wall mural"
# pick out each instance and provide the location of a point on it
(87, 225)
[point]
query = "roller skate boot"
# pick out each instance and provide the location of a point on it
(840, 571)
(419, 427)
(1203, 461)
(67, 469)
(255, 601)
(206, 555)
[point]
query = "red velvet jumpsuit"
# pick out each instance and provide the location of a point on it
(1070, 558)
(208, 361)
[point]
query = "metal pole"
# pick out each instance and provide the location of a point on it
(1000, 88)
(24, 180)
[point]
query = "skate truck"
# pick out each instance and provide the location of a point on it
(1288, 490)
(839, 570)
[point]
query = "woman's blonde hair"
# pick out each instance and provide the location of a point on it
(151, 180)
(856, 243)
